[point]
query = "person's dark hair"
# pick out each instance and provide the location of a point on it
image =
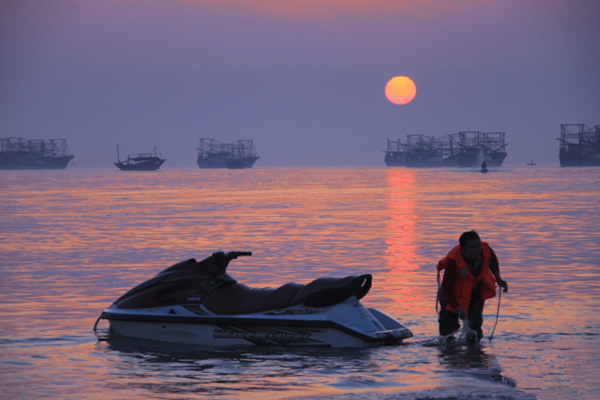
(466, 236)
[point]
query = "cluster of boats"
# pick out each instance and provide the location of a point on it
(579, 146)
(463, 149)
(240, 154)
(19, 153)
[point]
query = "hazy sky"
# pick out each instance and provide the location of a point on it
(304, 79)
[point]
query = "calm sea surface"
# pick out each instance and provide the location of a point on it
(73, 241)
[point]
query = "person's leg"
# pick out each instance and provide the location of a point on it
(476, 316)
(448, 322)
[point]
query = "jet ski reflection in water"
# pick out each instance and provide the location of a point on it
(199, 303)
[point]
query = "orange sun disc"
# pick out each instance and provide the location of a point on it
(400, 90)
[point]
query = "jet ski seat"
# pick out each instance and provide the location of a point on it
(237, 298)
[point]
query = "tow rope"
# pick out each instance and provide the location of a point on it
(497, 313)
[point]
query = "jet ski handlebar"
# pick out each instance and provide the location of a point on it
(222, 259)
(232, 255)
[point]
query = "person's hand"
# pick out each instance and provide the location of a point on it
(461, 313)
(502, 283)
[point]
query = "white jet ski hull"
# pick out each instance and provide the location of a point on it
(347, 324)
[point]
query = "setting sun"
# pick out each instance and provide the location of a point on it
(400, 90)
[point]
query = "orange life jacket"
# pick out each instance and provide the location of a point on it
(465, 281)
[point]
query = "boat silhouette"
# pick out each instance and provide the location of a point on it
(140, 161)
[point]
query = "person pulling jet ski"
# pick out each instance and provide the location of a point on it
(471, 271)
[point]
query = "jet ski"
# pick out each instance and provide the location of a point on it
(199, 303)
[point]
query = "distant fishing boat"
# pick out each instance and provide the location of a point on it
(395, 153)
(19, 153)
(579, 145)
(140, 161)
(240, 154)
(531, 163)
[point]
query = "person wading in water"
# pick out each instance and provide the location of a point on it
(471, 271)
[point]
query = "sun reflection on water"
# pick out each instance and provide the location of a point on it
(401, 240)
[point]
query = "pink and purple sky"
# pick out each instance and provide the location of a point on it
(304, 79)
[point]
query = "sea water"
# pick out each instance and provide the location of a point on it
(73, 241)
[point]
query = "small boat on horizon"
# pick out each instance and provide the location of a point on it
(140, 161)
(484, 168)
(531, 163)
